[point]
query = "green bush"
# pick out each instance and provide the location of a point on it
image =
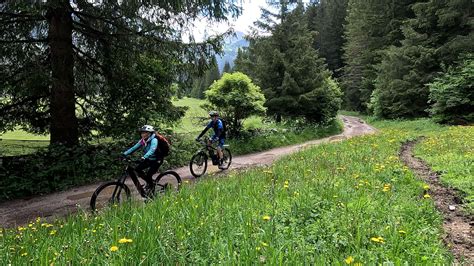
(236, 98)
(452, 94)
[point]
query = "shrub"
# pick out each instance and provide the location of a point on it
(452, 94)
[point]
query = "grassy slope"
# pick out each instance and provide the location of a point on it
(351, 201)
(451, 153)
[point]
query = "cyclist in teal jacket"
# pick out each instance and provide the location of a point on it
(149, 144)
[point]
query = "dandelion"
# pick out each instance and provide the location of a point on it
(113, 248)
(266, 218)
(24, 254)
(52, 232)
(426, 196)
(386, 187)
(21, 228)
(402, 232)
(125, 240)
(349, 260)
(258, 248)
(264, 244)
(426, 187)
(378, 239)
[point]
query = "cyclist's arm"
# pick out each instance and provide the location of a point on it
(153, 147)
(205, 130)
(132, 149)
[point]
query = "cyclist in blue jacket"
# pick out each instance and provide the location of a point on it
(149, 144)
(219, 134)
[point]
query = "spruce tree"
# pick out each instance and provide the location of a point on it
(371, 27)
(440, 34)
(115, 61)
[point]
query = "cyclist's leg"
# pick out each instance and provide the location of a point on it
(154, 165)
(148, 177)
(220, 148)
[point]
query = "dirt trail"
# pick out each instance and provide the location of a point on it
(458, 228)
(63, 203)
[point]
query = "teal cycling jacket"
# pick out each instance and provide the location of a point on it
(149, 147)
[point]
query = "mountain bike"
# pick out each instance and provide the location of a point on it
(198, 163)
(116, 192)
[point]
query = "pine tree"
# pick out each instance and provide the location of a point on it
(113, 60)
(440, 33)
(371, 27)
(227, 68)
(327, 18)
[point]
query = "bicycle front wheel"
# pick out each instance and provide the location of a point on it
(109, 194)
(168, 181)
(198, 164)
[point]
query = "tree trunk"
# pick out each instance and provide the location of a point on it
(64, 124)
(278, 118)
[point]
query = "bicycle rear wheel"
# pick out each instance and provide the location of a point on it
(198, 164)
(227, 159)
(168, 181)
(109, 194)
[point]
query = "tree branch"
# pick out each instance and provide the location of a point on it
(44, 40)
(22, 102)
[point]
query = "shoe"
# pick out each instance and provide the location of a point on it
(221, 166)
(149, 191)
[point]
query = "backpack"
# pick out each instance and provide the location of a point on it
(163, 146)
(224, 125)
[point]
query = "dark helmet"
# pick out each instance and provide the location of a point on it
(213, 113)
(147, 128)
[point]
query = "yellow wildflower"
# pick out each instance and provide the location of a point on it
(386, 187)
(24, 254)
(426, 187)
(113, 248)
(264, 244)
(402, 232)
(125, 240)
(378, 239)
(52, 232)
(349, 260)
(21, 228)
(426, 196)
(266, 218)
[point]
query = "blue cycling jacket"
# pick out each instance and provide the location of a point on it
(218, 129)
(149, 147)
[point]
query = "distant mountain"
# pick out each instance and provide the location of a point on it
(231, 46)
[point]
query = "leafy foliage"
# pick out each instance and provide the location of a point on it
(236, 98)
(452, 94)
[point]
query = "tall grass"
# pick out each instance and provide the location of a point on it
(352, 202)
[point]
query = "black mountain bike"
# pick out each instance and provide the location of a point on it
(198, 164)
(117, 192)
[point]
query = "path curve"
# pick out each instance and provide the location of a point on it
(49, 207)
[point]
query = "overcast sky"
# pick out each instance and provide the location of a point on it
(250, 13)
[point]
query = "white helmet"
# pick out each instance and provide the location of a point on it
(147, 128)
